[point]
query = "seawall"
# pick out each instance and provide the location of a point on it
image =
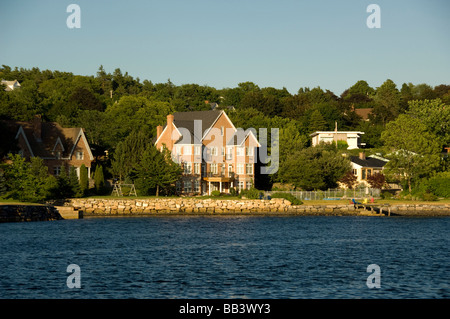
(26, 213)
(275, 206)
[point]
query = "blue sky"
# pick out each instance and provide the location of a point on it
(284, 43)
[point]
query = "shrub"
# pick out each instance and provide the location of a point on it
(386, 195)
(251, 193)
(232, 191)
(428, 197)
(215, 193)
(440, 185)
(294, 200)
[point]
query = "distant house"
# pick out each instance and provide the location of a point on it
(364, 113)
(10, 85)
(363, 166)
(213, 153)
(352, 138)
(57, 146)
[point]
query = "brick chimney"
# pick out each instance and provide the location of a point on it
(37, 127)
(170, 118)
(362, 155)
(159, 130)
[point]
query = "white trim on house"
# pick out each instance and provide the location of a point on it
(58, 140)
(26, 139)
(81, 135)
(162, 133)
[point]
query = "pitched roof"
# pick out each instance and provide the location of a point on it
(50, 133)
(368, 162)
(364, 113)
(187, 120)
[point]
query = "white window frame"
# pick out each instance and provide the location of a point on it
(197, 168)
(187, 168)
(240, 168)
(197, 150)
(240, 151)
(187, 150)
(214, 168)
(79, 155)
(249, 169)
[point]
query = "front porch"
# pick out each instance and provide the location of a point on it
(219, 183)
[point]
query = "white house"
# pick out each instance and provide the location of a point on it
(11, 85)
(352, 138)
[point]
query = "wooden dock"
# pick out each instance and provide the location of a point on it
(381, 209)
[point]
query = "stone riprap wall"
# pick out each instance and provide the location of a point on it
(102, 207)
(26, 213)
(421, 210)
(118, 207)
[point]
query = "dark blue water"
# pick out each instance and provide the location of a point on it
(221, 257)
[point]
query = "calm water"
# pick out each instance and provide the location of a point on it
(221, 257)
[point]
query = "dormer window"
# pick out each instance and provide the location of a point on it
(79, 155)
(57, 154)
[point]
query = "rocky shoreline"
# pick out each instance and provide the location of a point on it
(275, 206)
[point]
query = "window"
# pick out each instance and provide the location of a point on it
(56, 170)
(58, 155)
(197, 186)
(241, 185)
(188, 168)
(240, 151)
(222, 169)
(187, 186)
(230, 169)
(214, 150)
(229, 153)
(366, 172)
(223, 151)
(214, 168)
(187, 150)
(197, 168)
(249, 169)
(240, 168)
(249, 151)
(355, 172)
(178, 186)
(198, 150)
(79, 155)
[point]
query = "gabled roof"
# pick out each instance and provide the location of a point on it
(187, 121)
(368, 162)
(51, 134)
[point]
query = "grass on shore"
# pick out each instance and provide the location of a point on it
(4, 201)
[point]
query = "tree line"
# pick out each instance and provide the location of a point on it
(118, 112)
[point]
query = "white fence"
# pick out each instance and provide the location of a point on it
(337, 193)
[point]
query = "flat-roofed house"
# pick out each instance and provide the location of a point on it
(352, 138)
(213, 153)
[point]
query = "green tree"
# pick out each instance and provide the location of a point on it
(319, 167)
(435, 115)
(414, 152)
(99, 180)
(156, 170)
(29, 181)
(84, 180)
(387, 102)
(317, 122)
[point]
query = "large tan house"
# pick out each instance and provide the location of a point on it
(214, 154)
(57, 146)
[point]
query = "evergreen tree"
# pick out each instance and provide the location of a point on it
(74, 183)
(317, 122)
(84, 180)
(99, 180)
